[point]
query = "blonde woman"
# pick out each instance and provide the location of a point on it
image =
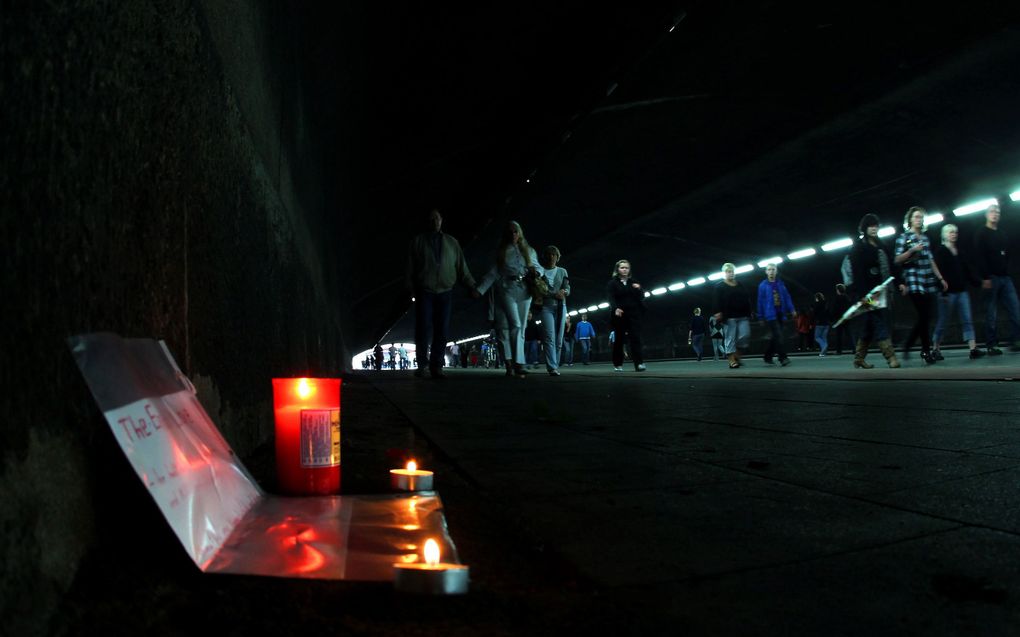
(954, 271)
(514, 258)
(733, 308)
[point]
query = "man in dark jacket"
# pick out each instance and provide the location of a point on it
(992, 262)
(870, 264)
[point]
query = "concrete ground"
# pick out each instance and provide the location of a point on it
(814, 499)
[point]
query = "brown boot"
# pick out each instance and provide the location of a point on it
(732, 358)
(736, 356)
(889, 353)
(860, 353)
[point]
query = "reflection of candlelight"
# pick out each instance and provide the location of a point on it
(431, 577)
(411, 478)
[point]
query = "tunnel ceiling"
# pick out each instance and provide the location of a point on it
(747, 130)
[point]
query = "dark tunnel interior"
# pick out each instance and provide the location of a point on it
(241, 179)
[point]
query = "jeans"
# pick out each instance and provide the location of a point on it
(696, 340)
(736, 334)
(718, 351)
(822, 337)
(553, 321)
(947, 305)
(432, 319)
(585, 350)
(871, 326)
(567, 351)
(1002, 290)
(512, 303)
(776, 346)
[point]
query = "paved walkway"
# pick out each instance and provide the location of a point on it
(811, 499)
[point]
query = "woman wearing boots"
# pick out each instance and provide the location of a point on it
(512, 300)
(870, 265)
(921, 278)
(733, 306)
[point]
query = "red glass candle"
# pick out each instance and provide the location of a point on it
(307, 414)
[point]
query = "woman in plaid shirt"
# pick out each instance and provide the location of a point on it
(921, 278)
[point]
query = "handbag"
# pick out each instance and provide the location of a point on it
(538, 287)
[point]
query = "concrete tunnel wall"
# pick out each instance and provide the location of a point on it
(160, 179)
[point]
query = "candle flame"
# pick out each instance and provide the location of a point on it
(431, 552)
(304, 390)
(412, 465)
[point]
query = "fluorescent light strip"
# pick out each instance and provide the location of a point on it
(977, 206)
(697, 281)
(800, 254)
(837, 244)
(473, 338)
(603, 306)
(743, 268)
(886, 231)
(647, 294)
(715, 276)
(934, 217)
(765, 262)
(658, 291)
(676, 286)
(593, 308)
(572, 313)
(1014, 196)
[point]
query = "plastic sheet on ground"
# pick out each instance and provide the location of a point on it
(223, 519)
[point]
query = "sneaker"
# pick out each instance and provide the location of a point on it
(976, 353)
(994, 351)
(640, 368)
(784, 362)
(617, 369)
(554, 372)
(822, 355)
(937, 355)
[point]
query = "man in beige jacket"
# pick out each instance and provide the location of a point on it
(435, 263)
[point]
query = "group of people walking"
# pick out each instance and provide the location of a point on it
(519, 280)
(935, 282)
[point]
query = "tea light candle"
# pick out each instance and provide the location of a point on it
(411, 479)
(433, 577)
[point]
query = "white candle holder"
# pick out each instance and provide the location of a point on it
(410, 479)
(432, 577)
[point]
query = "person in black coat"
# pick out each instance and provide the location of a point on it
(871, 265)
(627, 304)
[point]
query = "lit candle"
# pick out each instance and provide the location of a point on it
(411, 478)
(307, 412)
(433, 577)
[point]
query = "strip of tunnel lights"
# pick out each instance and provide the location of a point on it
(1014, 196)
(838, 244)
(977, 206)
(801, 254)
